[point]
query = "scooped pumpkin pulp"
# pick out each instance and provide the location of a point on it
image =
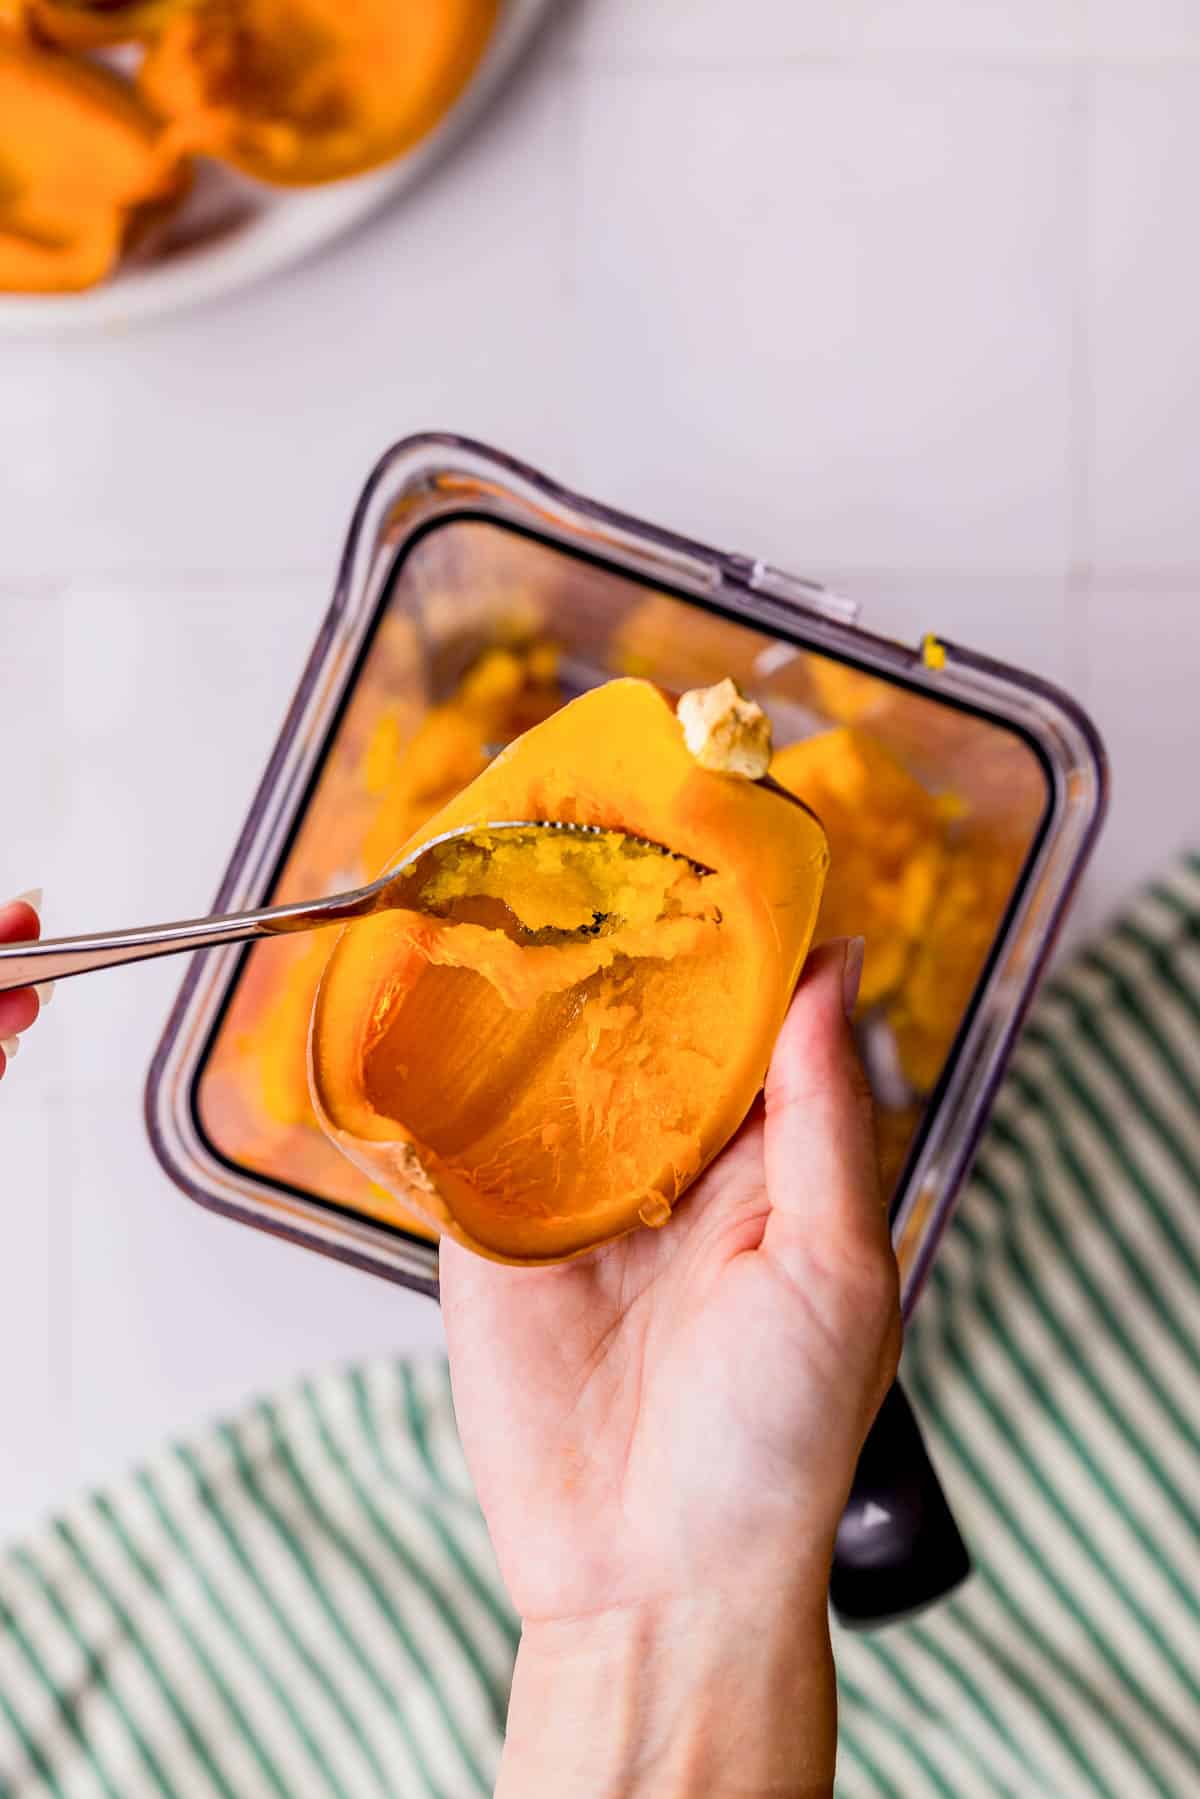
(566, 1032)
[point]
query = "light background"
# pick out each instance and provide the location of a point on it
(904, 293)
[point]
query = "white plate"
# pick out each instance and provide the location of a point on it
(233, 231)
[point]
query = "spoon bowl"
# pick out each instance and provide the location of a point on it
(402, 886)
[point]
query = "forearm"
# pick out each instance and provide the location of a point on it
(722, 1699)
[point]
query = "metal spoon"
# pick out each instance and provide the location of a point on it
(57, 958)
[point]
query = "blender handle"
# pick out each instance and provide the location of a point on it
(898, 1548)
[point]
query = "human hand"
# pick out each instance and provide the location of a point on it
(19, 923)
(663, 1437)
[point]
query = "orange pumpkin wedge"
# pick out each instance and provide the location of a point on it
(557, 1056)
(305, 91)
(82, 165)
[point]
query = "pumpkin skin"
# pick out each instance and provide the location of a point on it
(82, 165)
(534, 1101)
(92, 24)
(297, 92)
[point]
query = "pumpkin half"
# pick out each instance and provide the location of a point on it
(556, 1045)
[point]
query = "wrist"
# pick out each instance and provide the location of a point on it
(722, 1695)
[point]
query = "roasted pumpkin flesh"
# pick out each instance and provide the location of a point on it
(550, 1049)
(93, 24)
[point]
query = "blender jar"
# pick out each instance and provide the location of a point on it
(961, 798)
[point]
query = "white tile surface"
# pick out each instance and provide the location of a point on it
(1143, 652)
(239, 440)
(32, 752)
(1144, 283)
(1027, 620)
(824, 314)
(1138, 29)
(905, 295)
(177, 1313)
(173, 697)
(139, 718)
(35, 1323)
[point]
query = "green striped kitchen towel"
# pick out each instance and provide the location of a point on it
(1055, 1363)
(304, 1602)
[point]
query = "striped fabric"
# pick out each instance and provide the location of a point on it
(304, 1603)
(1055, 1360)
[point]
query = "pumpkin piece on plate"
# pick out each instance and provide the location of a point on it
(305, 91)
(549, 1054)
(974, 887)
(83, 168)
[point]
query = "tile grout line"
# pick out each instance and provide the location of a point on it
(221, 578)
(574, 83)
(1077, 587)
(888, 62)
(60, 1199)
(1080, 373)
(1081, 388)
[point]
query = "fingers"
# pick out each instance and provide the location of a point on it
(18, 1010)
(19, 923)
(819, 1146)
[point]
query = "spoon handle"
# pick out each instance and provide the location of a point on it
(57, 958)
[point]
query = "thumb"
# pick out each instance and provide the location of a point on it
(819, 1143)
